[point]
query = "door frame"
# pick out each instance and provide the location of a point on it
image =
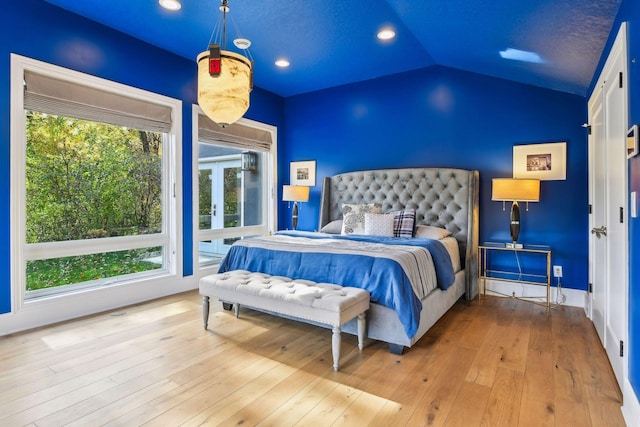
(269, 210)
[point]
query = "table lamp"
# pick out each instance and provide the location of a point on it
(515, 190)
(295, 194)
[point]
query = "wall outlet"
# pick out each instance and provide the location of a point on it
(557, 271)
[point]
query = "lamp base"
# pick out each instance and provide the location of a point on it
(294, 216)
(514, 226)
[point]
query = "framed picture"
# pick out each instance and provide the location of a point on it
(303, 173)
(546, 162)
(632, 141)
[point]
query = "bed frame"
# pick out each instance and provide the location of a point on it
(442, 197)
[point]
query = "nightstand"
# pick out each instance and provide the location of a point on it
(535, 254)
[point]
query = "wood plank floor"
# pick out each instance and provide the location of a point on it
(494, 362)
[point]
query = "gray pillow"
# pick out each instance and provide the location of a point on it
(430, 232)
(334, 227)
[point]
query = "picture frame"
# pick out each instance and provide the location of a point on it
(546, 162)
(303, 173)
(632, 141)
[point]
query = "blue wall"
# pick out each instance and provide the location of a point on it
(631, 12)
(38, 30)
(444, 117)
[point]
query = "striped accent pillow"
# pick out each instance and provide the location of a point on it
(403, 222)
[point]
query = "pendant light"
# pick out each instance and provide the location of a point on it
(225, 78)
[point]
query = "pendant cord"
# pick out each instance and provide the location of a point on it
(215, 33)
(219, 32)
(225, 8)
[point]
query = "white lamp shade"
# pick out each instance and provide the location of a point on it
(295, 193)
(520, 190)
(225, 98)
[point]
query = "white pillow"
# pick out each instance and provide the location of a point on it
(353, 217)
(378, 224)
(430, 232)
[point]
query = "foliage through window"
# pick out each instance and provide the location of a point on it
(89, 180)
(54, 272)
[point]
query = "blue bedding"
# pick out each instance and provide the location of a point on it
(386, 279)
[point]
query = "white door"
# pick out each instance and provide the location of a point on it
(608, 192)
(225, 196)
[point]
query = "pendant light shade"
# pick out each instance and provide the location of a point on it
(225, 78)
(224, 98)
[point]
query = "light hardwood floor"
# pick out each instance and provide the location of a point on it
(494, 362)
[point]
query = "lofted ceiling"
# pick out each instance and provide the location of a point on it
(333, 42)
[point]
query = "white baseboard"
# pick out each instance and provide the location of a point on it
(630, 404)
(573, 297)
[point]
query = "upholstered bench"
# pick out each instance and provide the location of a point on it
(318, 303)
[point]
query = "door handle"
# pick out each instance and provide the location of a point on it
(599, 231)
(215, 210)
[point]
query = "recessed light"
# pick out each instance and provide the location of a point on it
(170, 4)
(282, 63)
(386, 34)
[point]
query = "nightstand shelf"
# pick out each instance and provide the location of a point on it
(536, 253)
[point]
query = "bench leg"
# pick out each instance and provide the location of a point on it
(205, 311)
(361, 328)
(236, 310)
(335, 347)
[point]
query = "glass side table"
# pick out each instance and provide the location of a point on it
(537, 253)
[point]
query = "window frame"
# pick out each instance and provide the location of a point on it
(270, 215)
(170, 237)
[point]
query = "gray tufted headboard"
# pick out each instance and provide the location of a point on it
(442, 197)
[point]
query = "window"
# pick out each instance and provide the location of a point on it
(231, 201)
(95, 204)
(87, 181)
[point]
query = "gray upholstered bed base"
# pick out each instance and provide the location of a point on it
(442, 197)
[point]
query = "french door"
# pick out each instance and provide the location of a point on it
(222, 180)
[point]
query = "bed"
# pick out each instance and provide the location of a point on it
(440, 200)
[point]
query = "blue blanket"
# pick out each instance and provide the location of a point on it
(384, 278)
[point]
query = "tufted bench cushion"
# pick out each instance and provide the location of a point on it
(323, 303)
